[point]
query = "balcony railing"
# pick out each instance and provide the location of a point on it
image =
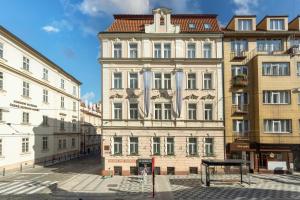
(238, 55)
(295, 49)
(240, 109)
(240, 80)
(241, 136)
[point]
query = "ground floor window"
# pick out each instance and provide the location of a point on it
(117, 170)
(193, 170)
(170, 170)
(157, 170)
(133, 171)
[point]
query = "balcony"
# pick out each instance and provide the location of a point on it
(295, 49)
(239, 109)
(240, 80)
(238, 55)
(241, 136)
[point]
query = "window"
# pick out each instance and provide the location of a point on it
(117, 146)
(207, 50)
(74, 106)
(25, 145)
(207, 26)
(1, 80)
(192, 111)
(170, 146)
(25, 118)
(74, 91)
(276, 69)
(45, 143)
(62, 83)
(74, 125)
(156, 146)
(45, 96)
(264, 45)
(1, 50)
(62, 102)
(134, 146)
(1, 115)
(167, 50)
(45, 74)
(277, 24)
(133, 80)
(25, 89)
(1, 152)
(298, 72)
(133, 50)
(241, 126)
(278, 126)
(157, 111)
(60, 144)
(117, 50)
(133, 109)
(64, 143)
(245, 24)
(208, 112)
(25, 63)
(276, 97)
(117, 80)
(193, 170)
(192, 146)
(209, 146)
(167, 81)
(157, 81)
(73, 142)
(207, 82)
(45, 120)
(192, 26)
(239, 70)
(191, 81)
(191, 50)
(239, 46)
(167, 111)
(157, 50)
(117, 110)
(240, 99)
(62, 124)
(298, 98)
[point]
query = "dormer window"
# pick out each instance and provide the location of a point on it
(277, 24)
(192, 26)
(207, 26)
(244, 24)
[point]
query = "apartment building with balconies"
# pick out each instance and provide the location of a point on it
(261, 89)
(162, 92)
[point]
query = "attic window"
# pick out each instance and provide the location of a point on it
(207, 26)
(192, 26)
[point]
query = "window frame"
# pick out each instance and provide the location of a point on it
(133, 145)
(117, 52)
(133, 112)
(192, 111)
(117, 111)
(192, 145)
(133, 81)
(118, 144)
(133, 51)
(117, 81)
(25, 145)
(208, 82)
(156, 146)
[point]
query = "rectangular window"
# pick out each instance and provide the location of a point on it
(244, 24)
(62, 102)
(192, 146)
(191, 81)
(133, 109)
(209, 146)
(241, 126)
(134, 146)
(192, 111)
(73, 142)
(1, 80)
(45, 143)
(207, 51)
(207, 82)
(25, 118)
(45, 74)
(278, 126)
(239, 46)
(298, 72)
(237, 70)
(275, 69)
(298, 98)
(208, 112)
(170, 146)
(74, 91)
(45, 120)
(1, 50)
(156, 146)
(117, 110)
(191, 50)
(74, 125)
(117, 50)
(64, 143)
(25, 89)
(133, 80)
(167, 50)
(74, 106)
(45, 96)
(157, 81)
(117, 80)
(276, 97)
(277, 24)
(1, 115)
(62, 124)
(157, 50)
(59, 144)
(167, 111)
(62, 83)
(25, 145)
(117, 146)
(25, 63)
(264, 45)
(158, 111)
(133, 50)
(1, 146)
(167, 81)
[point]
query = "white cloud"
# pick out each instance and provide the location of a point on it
(245, 7)
(50, 29)
(89, 96)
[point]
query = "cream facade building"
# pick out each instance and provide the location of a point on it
(162, 92)
(39, 107)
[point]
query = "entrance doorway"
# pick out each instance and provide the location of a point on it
(117, 170)
(142, 163)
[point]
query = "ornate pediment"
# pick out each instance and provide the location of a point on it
(132, 95)
(162, 94)
(192, 96)
(209, 96)
(116, 96)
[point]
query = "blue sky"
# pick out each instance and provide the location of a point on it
(65, 30)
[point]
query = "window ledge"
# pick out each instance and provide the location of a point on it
(191, 156)
(134, 155)
(116, 155)
(3, 60)
(45, 150)
(207, 89)
(2, 122)
(47, 103)
(117, 88)
(26, 71)
(26, 97)
(2, 157)
(170, 155)
(2, 91)
(191, 89)
(26, 124)
(25, 153)
(276, 133)
(206, 156)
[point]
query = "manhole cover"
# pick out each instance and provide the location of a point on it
(112, 185)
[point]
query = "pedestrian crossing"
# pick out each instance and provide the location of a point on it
(19, 187)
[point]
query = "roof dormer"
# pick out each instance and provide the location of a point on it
(242, 23)
(162, 22)
(295, 24)
(273, 23)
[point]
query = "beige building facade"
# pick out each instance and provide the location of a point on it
(162, 93)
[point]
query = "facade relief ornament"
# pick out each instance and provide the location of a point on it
(162, 94)
(209, 96)
(116, 96)
(192, 96)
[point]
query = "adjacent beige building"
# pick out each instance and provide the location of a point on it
(162, 92)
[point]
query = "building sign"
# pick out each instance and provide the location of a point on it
(239, 146)
(106, 148)
(144, 161)
(23, 105)
(121, 160)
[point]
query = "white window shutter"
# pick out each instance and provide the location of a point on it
(203, 146)
(187, 145)
(128, 145)
(165, 145)
(112, 145)
(151, 146)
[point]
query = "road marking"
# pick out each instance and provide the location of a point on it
(37, 173)
(33, 187)
(40, 188)
(8, 185)
(13, 187)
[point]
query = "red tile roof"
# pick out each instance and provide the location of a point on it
(136, 23)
